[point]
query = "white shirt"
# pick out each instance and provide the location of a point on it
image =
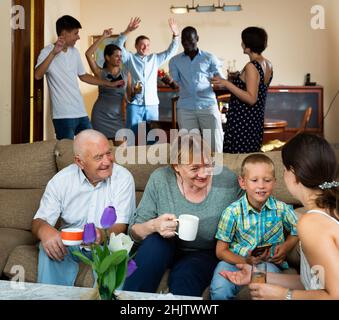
(62, 79)
(72, 197)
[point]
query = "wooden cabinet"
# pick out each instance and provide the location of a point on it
(286, 103)
(290, 102)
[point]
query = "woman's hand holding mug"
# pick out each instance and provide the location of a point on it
(165, 225)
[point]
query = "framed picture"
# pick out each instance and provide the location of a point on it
(99, 52)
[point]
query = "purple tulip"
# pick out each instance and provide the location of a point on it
(90, 234)
(131, 267)
(108, 217)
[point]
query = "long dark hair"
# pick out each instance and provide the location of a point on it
(109, 50)
(313, 161)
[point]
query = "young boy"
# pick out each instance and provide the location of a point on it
(255, 219)
(62, 65)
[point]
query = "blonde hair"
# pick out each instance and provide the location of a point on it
(190, 148)
(256, 158)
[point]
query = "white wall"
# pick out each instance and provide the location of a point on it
(5, 76)
(294, 47)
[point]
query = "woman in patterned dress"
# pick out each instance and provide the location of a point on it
(245, 117)
(107, 111)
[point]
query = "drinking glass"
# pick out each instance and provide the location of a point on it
(259, 272)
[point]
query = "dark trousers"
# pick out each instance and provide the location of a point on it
(190, 274)
(68, 128)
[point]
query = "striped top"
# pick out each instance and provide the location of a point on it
(312, 278)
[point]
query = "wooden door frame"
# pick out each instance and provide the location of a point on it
(27, 110)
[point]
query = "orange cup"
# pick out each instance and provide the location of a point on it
(71, 236)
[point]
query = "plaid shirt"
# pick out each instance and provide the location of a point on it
(244, 228)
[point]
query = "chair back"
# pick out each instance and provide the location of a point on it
(305, 120)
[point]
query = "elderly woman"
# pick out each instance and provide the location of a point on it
(188, 186)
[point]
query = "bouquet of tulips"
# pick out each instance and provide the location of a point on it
(111, 261)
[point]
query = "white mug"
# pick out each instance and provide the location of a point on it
(188, 227)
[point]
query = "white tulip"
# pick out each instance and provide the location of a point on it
(120, 242)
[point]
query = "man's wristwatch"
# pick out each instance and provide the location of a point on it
(175, 35)
(289, 294)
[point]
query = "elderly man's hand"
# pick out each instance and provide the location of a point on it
(52, 244)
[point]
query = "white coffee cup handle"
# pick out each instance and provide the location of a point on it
(176, 220)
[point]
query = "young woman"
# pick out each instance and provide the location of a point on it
(107, 110)
(245, 117)
(311, 176)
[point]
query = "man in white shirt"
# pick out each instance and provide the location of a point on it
(78, 194)
(62, 65)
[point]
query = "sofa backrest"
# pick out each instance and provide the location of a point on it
(141, 161)
(25, 170)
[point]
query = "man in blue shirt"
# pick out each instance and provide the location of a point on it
(143, 67)
(197, 106)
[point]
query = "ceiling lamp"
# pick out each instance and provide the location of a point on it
(231, 7)
(210, 8)
(205, 8)
(183, 9)
(179, 10)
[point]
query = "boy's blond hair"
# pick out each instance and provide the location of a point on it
(256, 158)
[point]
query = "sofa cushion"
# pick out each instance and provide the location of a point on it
(11, 238)
(27, 256)
(64, 153)
(17, 207)
(27, 166)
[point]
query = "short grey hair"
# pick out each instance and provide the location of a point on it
(83, 139)
(190, 148)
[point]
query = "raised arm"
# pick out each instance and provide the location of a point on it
(174, 27)
(174, 45)
(91, 51)
(133, 25)
(42, 68)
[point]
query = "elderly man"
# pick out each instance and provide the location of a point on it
(143, 67)
(78, 194)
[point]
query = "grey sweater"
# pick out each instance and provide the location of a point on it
(162, 195)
